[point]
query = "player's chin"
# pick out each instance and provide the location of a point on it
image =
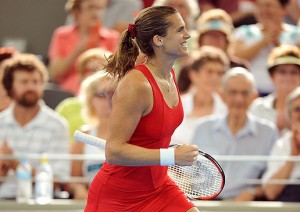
(184, 52)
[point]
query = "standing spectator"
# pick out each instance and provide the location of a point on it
(203, 99)
(287, 145)
(96, 112)
(237, 133)
(255, 42)
(68, 42)
(284, 69)
(28, 125)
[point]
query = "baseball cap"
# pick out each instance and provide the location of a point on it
(284, 60)
(217, 25)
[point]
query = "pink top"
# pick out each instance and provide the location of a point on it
(64, 41)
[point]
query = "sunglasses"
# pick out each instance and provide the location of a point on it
(100, 95)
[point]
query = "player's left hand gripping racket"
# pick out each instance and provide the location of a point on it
(204, 180)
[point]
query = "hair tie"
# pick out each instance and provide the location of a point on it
(131, 30)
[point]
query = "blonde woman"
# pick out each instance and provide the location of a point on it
(88, 62)
(95, 110)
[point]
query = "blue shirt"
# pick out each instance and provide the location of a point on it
(212, 135)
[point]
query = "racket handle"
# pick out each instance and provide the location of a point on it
(89, 139)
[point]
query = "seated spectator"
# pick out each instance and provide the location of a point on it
(205, 74)
(5, 53)
(28, 126)
(214, 28)
(287, 145)
(284, 69)
(68, 42)
(237, 133)
(70, 108)
(255, 42)
(96, 112)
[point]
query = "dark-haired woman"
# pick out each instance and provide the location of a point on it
(146, 109)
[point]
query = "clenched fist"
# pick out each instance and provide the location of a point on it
(186, 155)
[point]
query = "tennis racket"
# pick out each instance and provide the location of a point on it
(204, 180)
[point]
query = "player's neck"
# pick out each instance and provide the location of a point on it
(159, 68)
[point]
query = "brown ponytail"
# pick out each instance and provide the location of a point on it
(124, 58)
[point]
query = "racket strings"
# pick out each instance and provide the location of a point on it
(201, 180)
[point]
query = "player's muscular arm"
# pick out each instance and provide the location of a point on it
(132, 100)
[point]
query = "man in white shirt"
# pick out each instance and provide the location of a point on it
(28, 126)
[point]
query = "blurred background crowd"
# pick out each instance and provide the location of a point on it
(240, 86)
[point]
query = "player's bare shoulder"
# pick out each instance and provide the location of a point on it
(135, 83)
(134, 88)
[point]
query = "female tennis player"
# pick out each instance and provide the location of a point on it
(146, 109)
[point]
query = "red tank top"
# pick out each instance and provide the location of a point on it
(153, 131)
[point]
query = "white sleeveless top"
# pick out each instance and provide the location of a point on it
(91, 167)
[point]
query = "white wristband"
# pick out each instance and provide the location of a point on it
(167, 157)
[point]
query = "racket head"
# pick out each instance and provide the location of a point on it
(204, 180)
